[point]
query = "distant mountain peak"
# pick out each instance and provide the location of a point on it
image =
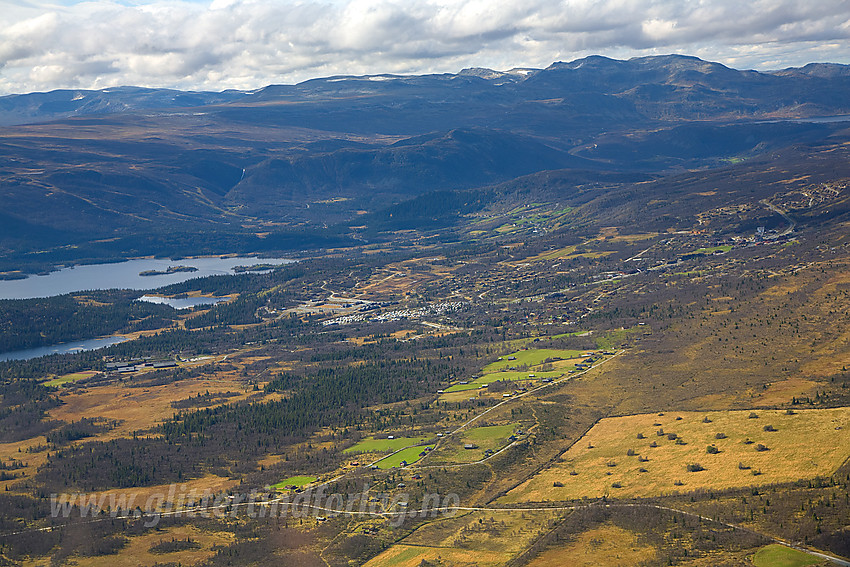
(671, 61)
(482, 72)
(65, 103)
(819, 70)
(591, 61)
(522, 71)
(671, 58)
(496, 77)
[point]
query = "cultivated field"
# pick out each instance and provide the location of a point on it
(536, 364)
(747, 448)
(605, 545)
(491, 437)
(477, 538)
(781, 556)
(297, 481)
(401, 555)
(506, 376)
(73, 377)
(372, 445)
(409, 455)
(530, 357)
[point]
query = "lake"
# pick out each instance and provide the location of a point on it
(123, 275)
(65, 348)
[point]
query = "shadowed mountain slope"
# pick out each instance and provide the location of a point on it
(154, 162)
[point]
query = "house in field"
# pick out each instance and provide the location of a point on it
(470, 446)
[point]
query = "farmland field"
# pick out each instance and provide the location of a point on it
(372, 445)
(492, 437)
(531, 357)
(713, 249)
(560, 361)
(411, 455)
(781, 556)
(611, 460)
(605, 545)
(477, 538)
(61, 380)
(506, 376)
(298, 481)
(401, 555)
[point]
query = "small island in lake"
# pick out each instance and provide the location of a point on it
(170, 270)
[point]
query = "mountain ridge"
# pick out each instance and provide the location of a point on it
(688, 71)
(288, 158)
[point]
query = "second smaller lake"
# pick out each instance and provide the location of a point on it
(183, 302)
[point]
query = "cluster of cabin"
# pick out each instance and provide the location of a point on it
(138, 364)
(432, 310)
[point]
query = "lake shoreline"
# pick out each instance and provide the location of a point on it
(126, 275)
(188, 302)
(70, 347)
(23, 272)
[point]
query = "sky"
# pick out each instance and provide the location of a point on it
(246, 44)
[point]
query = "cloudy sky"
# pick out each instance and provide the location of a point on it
(219, 44)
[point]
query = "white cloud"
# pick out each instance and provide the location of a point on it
(46, 44)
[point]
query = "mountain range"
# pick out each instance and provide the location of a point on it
(120, 171)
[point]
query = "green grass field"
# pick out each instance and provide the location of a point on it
(298, 481)
(776, 555)
(712, 250)
(372, 445)
(613, 339)
(499, 370)
(507, 376)
(492, 437)
(490, 433)
(572, 334)
(531, 357)
(806, 444)
(411, 455)
(62, 380)
(516, 344)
